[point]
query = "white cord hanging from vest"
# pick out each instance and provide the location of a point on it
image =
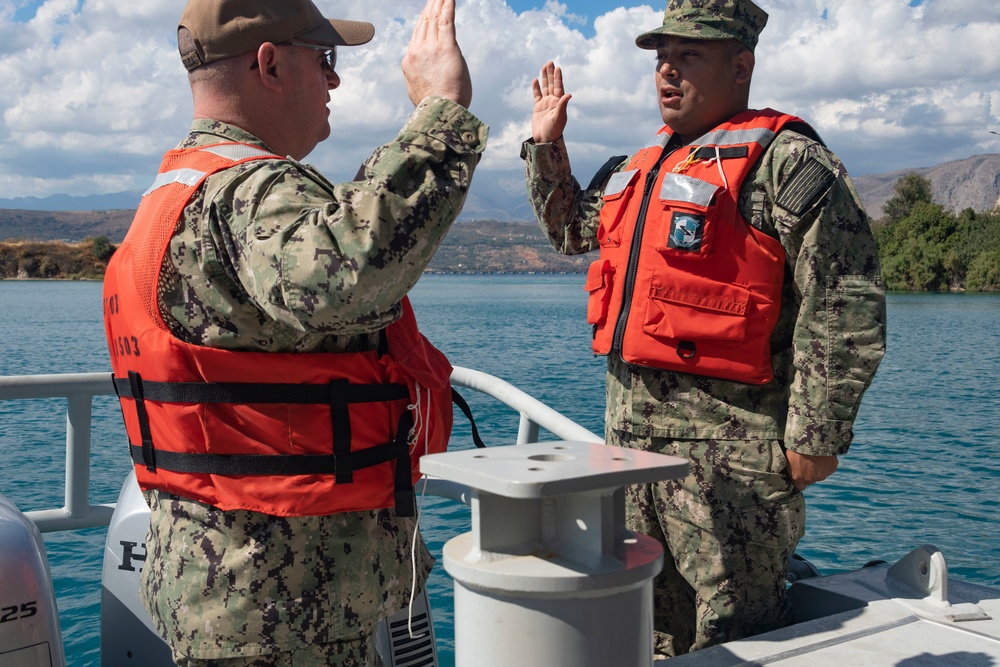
(421, 421)
(718, 163)
(421, 426)
(413, 561)
(418, 419)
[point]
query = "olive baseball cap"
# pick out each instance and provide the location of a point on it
(226, 28)
(741, 20)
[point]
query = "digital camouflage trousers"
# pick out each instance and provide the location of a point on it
(727, 530)
(357, 652)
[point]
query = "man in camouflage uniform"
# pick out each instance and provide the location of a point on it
(730, 526)
(269, 256)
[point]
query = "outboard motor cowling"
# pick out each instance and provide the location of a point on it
(29, 619)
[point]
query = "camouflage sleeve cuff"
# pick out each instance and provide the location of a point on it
(448, 122)
(818, 437)
(549, 159)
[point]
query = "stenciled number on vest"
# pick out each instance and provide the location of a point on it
(127, 346)
(111, 303)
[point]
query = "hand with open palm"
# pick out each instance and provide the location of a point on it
(434, 64)
(548, 118)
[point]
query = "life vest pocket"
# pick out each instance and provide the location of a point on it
(700, 310)
(617, 195)
(599, 285)
(684, 228)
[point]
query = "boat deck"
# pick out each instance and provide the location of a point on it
(880, 622)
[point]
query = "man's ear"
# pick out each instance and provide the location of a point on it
(743, 63)
(267, 66)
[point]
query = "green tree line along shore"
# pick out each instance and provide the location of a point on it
(922, 247)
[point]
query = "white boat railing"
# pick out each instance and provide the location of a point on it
(79, 389)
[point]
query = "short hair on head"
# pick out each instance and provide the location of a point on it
(220, 71)
(735, 47)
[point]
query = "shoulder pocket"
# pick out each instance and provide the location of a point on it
(684, 227)
(855, 312)
(617, 195)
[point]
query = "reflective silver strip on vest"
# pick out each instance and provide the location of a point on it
(760, 136)
(678, 187)
(619, 181)
(236, 151)
(187, 177)
(659, 141)
(190, 177)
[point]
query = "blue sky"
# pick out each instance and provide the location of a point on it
(94, 93)
(586, 9)
(25, 10)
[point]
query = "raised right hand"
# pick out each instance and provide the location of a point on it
(434, 64)
(548, 118)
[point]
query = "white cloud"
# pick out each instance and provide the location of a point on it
(886, 84)
(94, 93)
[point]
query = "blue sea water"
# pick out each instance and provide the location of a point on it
(924, 468)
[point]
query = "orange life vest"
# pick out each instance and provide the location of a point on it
(683, 282)
(280, 433)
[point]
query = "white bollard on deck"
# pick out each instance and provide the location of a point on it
(549, 575)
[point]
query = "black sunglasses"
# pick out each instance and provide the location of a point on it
(329, 53)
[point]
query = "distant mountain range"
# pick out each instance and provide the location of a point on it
(106, 202)
(970, 183)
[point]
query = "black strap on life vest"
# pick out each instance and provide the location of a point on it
(135, 387)
(339, 391)
(602, 174)
(338, 394)
(805, 129)
(457, 399)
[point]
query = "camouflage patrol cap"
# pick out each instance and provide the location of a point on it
(741, 20)
(226, 28)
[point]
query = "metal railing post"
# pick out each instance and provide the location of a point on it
(527, 430)
(79, 390)
(78, 424)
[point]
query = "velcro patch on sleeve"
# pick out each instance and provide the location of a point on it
(808, 181)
